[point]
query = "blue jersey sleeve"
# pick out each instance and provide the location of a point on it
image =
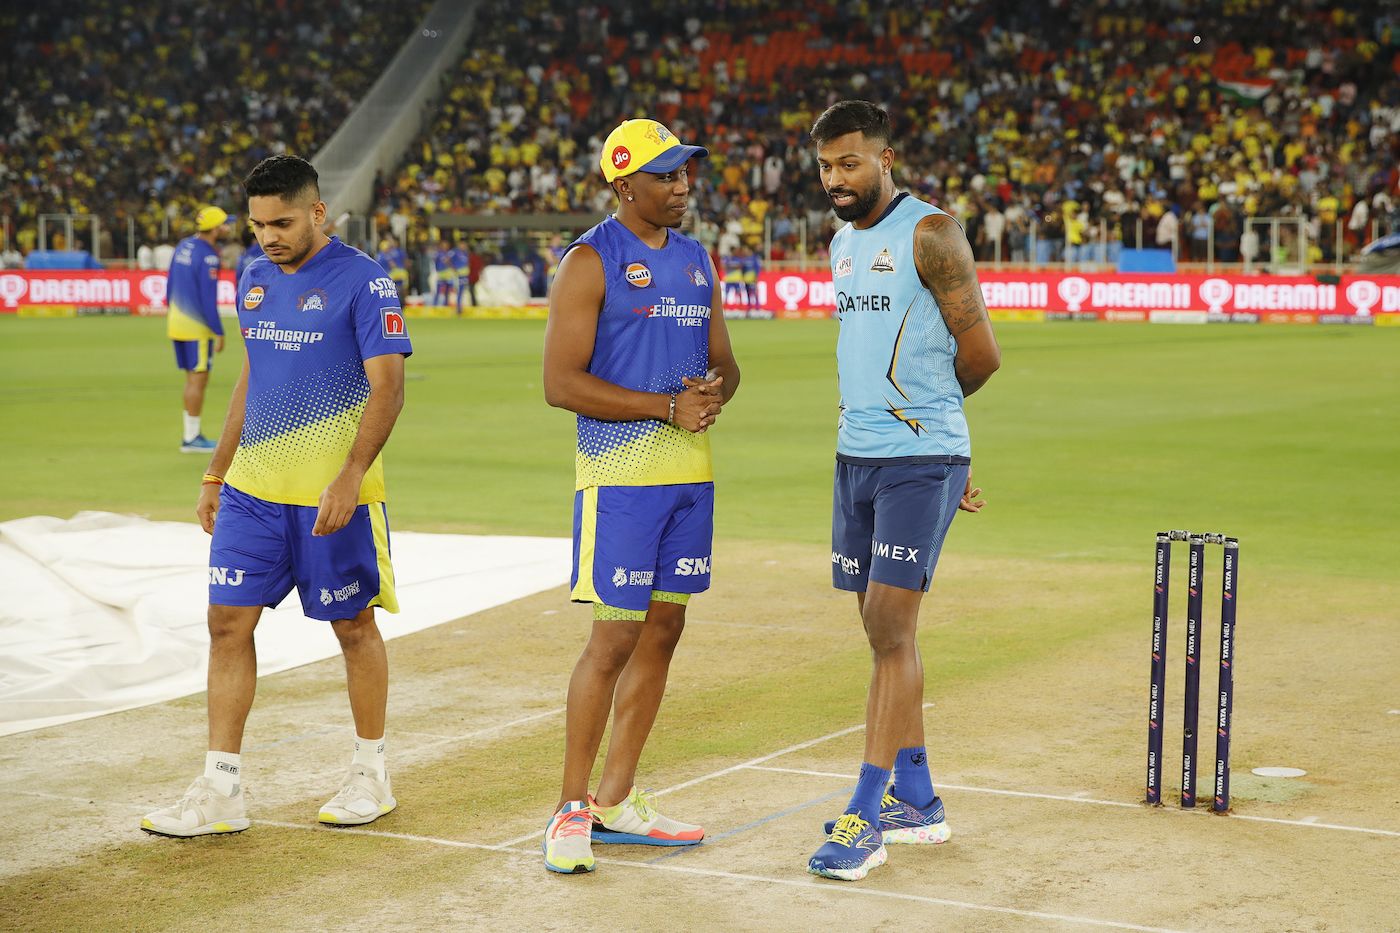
(208, 273)
(378, 319)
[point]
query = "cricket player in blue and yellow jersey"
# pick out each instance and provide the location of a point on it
(294, 495)
(636, 346)
(192, 317)
(915, 341)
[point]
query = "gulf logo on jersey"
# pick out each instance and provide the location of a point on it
(393, 322)
(638, 275)
(253, 298)
(620, 157)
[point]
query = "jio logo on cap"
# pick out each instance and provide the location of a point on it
(620, 157)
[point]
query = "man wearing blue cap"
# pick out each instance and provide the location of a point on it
(192, 317)
(636, 346)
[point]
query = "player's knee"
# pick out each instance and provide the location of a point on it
(229, 625)
(609, 652)
(665, 624)
(356, 633)
(889, 636)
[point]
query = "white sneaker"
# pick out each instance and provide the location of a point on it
(202, 811)
(363, 799)
(566, 840)
(635, 820)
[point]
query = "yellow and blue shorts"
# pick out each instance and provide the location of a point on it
(196, 356)
(262, 549)
(633, 544)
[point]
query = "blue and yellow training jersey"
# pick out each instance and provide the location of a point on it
(653, 329)
(900, 398)
(307, 335)
(192, 292)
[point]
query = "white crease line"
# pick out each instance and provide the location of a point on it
(723, 771)
(490, 729)
(1308, 821)
(807, 884)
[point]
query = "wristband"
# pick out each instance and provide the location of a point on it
(211, 480)
(671, 412)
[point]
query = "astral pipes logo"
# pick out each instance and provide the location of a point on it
(12, 289)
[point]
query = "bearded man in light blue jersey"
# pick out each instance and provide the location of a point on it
(636, 346)
(915, 341)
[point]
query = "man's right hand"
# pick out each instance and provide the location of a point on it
(208, 506)
(698, 404)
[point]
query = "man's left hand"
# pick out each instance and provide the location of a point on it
(337, 505)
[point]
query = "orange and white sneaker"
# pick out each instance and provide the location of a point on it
(566, 839)
(636, 821)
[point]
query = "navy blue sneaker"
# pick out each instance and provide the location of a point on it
(904, 823)
(199, 444)
(851, 850)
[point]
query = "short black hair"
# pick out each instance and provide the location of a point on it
(852, 116)
(284, 176)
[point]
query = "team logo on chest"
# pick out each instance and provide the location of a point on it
(696, 276)
(883, 262)
(637, 275)
(314, 300)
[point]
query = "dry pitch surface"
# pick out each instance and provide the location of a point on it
(1037, 739)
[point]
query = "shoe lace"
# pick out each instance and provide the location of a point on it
(848, 827)
(574, 823)
(645, 803)
(889, 800)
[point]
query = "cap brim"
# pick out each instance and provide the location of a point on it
(674, 158)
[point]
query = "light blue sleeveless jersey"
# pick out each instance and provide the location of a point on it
(900, 399)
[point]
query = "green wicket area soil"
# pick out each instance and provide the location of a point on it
(1037, 685)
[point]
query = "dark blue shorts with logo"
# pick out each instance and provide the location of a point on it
(262, 549)
(631, 540)
(889, 520)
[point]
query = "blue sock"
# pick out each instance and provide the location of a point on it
(870, 787)
(912, 783)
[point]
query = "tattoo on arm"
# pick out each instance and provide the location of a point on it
(945, 265)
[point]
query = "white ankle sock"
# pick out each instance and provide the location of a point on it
(192, 428)
(370, 753)
(222, 769)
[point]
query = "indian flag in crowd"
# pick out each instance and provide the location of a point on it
(1246, 89)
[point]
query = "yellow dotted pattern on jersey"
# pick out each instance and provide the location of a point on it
(651, 453)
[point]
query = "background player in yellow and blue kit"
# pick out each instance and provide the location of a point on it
(192, 317)
(395, 262)
(636, 346)
(915, 341)
(295, 492)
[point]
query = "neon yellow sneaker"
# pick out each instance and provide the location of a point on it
(636, 821)
(566, 845)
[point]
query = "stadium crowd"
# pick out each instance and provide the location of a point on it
(1060, 130)
(1093, 124)
(145, 109)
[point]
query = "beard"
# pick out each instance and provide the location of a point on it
(863, 204)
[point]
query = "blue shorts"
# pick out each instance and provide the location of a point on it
(888, 522)
(262, 549)
(196, 356)
(630, 540)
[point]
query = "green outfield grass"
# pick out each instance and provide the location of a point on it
(1090, 438)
